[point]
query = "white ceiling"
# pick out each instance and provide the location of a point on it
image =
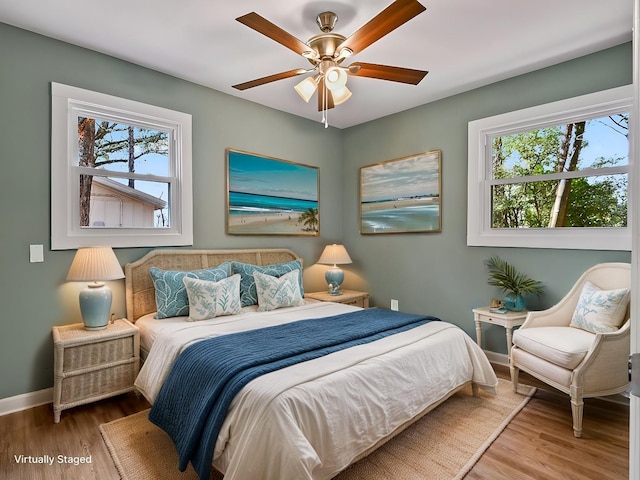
(463, 44)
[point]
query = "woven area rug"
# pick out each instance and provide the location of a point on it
(444, 444)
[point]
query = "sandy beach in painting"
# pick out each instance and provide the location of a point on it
(267, 223)
(402, 203)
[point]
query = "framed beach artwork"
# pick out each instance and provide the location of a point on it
(402, 195)
(269, 196)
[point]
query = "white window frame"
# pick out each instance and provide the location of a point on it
(67, 103)
(480, 135)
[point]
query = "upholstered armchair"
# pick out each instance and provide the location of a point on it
(577, 346)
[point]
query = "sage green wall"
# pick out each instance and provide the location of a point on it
(434, 273)
(34, 296)
(437, 273)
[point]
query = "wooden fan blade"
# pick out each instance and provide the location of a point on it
(270, 78)
(321, 95)
(396, 14)
(385, 72)
(265, 27)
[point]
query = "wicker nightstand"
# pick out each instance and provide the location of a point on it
(348, 297)
(90, 365)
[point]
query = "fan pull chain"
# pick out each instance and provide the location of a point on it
(325, 110)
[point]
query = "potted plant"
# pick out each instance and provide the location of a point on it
(510, 280)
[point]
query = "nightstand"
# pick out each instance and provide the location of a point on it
(507, 320)
(90, 365)
(347, 297)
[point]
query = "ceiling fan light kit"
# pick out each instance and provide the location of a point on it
(328, 50)
(335, 76)
(341, 95)
(307, 87)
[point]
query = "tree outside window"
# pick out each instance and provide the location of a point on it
(120, 172)
(552, 176)
(117, 147)
(590, 198)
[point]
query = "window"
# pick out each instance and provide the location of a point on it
(552, 176)
(120, 172)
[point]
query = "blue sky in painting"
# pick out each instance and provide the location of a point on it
(416, 176)
(265, 176)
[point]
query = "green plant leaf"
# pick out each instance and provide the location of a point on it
(509, 279)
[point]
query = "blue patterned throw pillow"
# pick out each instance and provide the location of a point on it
(276, 292)
(171, 294)
(248, 293)
(212, 299)
(600, 311)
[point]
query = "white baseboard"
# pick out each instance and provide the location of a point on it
(498, 358)
(26, 400)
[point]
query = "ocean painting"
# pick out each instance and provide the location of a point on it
(268, 196)
(401, 195)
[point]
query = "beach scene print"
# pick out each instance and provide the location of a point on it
(267, 196)
(401, 195)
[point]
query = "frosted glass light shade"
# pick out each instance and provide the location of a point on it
(340, 95)
(95, 263)
(306, 88)
(335, 78)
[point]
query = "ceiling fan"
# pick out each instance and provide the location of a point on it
(328, 50)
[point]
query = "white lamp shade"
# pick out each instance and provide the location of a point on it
(95, 263)
(334, 255)
(340, 95)
(306, 88)
(335, 78)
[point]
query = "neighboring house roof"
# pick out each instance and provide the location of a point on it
(118, 187)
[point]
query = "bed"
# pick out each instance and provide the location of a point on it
(309, 420)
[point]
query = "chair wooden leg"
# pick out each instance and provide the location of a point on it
(515, 372)
(577, 409)
(474, 389)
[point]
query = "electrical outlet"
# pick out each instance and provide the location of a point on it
(394, 304)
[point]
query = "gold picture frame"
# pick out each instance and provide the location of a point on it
(403, 195)
(271, 196)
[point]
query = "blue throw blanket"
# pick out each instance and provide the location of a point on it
(193, 401)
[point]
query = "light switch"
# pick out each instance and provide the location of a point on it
(36, 253)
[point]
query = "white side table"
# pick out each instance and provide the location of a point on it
(507, 320)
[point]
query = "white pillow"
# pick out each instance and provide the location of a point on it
(212, 299)
(278, 292)
(600, 311)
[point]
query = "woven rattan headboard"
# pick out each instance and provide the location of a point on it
(140, 294)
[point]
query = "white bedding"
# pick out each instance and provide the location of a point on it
(150, 327)
(311, 420)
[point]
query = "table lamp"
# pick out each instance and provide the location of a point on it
(334, 255)
(95, 264)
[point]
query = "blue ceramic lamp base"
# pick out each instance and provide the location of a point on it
(334, 277)
(95, 306)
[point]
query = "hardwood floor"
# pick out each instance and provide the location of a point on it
(33, 433)
(538, 444)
